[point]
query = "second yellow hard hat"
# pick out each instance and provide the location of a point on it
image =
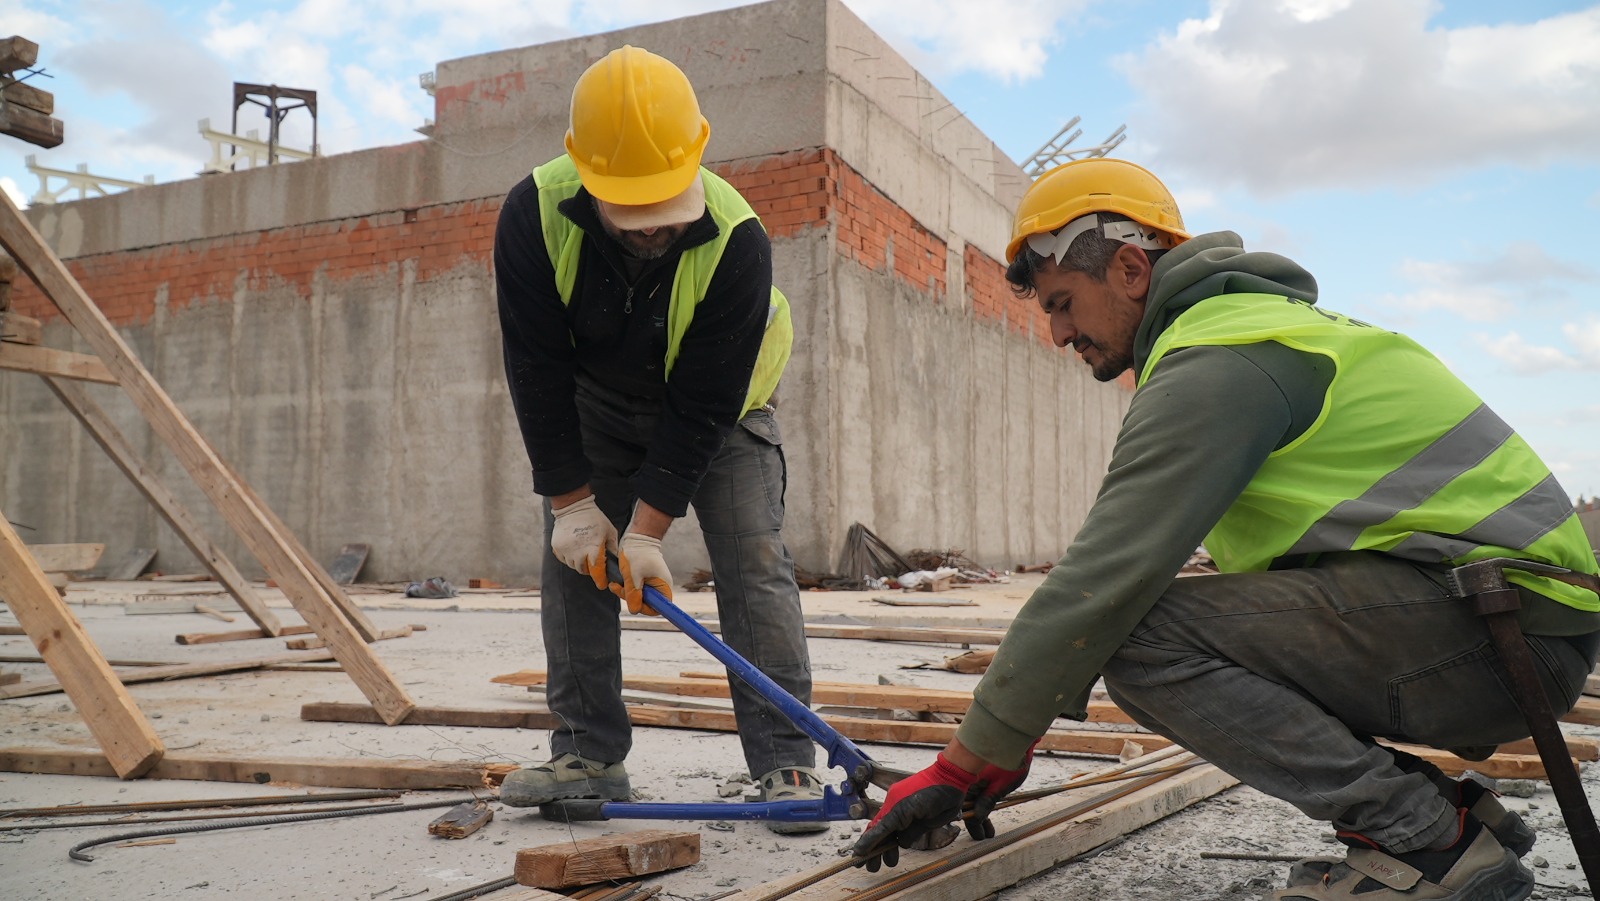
(1099, 185)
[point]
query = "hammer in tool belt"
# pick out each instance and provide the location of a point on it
(1484, 584)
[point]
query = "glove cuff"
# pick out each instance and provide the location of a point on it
(577, 506)
(950, 774)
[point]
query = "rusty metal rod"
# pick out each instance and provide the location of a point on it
(68, 810)
(85, 824)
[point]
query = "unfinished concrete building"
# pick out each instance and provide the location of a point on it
(330, 324)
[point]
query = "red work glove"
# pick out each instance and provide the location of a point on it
(916, 805)
(992, 784)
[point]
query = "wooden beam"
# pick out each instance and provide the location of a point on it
(20, 329)
(569, 864)
(302, 644)
(17, 52)
(168, 673)
(66, 558)
(341, 599)
(62, 364)
(1061, 833)
(30, 125)
(239, 635)
(462, 820)
(127, 738)
(400, 775)
(1106, 743)
(234, 499)
(24, 94)
(863, 633)
(120, 450)
(501, 718)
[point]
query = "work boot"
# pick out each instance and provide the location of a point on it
(1476, 867)
(567, 776)
(1466, 793)
(1507, 825)
(793, 783)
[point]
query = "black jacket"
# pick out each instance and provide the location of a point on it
(614, 333)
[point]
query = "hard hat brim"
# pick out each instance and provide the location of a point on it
(688, 206)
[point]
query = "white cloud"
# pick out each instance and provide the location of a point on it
(1525, 358)
(1488, 288)
(1284, 95)
(18, 197)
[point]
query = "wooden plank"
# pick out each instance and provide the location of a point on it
(844, 694)
(353, 614)
(345, 567)
(168, 673)
(301, 644)
(1106, 743)
(501, 718)
(862, 633)
(232, 496)
(158, 604)
(183, 523)
(10, 678)
(119, 727)
(20, 329)
(604, 858)
(462, 820)
(24, 94)
(66, 558)
(58, 363)
(132, 564)
(31, 125)
(17, 52)
(239, 635)
(400, 775)
(1016, 853)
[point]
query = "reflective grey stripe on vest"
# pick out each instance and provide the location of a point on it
(1454, 453)
(1516, 525)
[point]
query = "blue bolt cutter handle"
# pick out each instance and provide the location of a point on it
(846, 803)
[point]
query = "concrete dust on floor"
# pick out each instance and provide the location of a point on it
(391, 856)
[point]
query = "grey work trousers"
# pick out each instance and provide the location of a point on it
(740, 508)
(1283, 679)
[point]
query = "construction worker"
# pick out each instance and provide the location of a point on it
(643, 342)
(1335, 471)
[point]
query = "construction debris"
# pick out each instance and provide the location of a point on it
(586, 862)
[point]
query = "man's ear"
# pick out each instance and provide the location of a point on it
(1130, 272)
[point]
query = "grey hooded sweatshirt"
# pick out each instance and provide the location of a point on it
(1195, 434)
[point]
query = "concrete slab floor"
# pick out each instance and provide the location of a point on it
(390, 857)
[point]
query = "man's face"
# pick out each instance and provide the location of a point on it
(643, 243)
(1097, 319)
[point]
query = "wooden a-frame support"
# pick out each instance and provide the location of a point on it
(301, 579)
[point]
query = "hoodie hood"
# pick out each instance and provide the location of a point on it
(1207, 266)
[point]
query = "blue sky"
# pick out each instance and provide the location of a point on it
(1435, 164)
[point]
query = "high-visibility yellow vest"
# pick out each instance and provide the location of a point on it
(558, 179)
(1403, 459)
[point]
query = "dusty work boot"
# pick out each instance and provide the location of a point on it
(1476, 867)
(568, 776)
(1507, 825)
(793, 783)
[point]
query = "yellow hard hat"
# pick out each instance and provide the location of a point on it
(636, 132)
(1099, 185)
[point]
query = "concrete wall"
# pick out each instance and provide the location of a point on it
(330, 324)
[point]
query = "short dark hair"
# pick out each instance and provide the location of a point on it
(1089, 253)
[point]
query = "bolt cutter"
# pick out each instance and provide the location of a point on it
(848, 801)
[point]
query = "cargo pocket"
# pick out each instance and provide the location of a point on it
(1456, 703)
(763, 426)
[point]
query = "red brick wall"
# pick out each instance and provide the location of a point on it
(791, 192)
(124, 284)
(992, 297)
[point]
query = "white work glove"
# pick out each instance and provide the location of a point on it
(581, 537)
(639, 557)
